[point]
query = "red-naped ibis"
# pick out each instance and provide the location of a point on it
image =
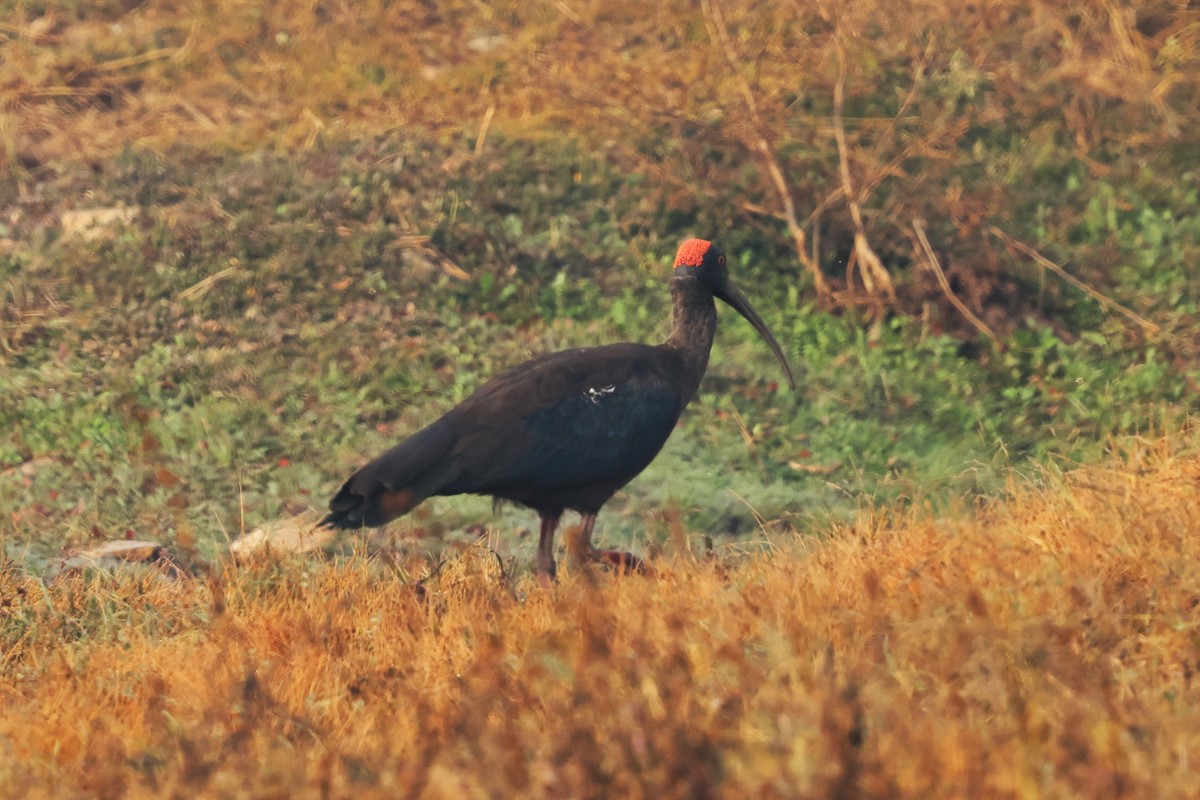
(564, 430)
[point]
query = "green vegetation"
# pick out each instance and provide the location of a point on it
(262, 324)
(246, 247)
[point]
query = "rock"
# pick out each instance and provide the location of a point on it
(113, 555)
(298, 534)
(91, 223)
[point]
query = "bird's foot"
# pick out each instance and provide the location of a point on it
(547, 574)
(622, 562)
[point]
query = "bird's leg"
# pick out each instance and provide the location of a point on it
(545, 551)
(581, 550)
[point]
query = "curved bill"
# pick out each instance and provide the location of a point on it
(730, 294)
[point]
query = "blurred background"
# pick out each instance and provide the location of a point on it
(246, 246)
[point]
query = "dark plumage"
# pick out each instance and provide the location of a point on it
(564, 430)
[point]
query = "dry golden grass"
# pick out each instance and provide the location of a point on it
(1047, 647)
(88, 79)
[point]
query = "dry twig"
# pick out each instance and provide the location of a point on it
(875, 276)
(484, 127)
(1104, 300)
(935, 266)
(720, 32)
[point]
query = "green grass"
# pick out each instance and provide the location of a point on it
(264, 324)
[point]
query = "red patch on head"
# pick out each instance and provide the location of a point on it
(691, 253)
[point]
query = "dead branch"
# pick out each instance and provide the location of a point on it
(720, 32)
(1104, 300)
(935, 266)
(484, 126)
(874, 274)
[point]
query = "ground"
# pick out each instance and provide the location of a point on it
(244, 248)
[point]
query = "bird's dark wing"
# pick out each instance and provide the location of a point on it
(576, 418)
(567, 419)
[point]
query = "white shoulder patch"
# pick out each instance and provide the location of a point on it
(595, 393)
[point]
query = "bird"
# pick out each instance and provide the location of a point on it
(564, 430)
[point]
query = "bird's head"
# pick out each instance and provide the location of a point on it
(701, 260)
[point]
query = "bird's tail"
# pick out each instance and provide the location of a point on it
(395, 482)
(349, 509)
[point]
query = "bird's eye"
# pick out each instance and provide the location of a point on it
(721, 260)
